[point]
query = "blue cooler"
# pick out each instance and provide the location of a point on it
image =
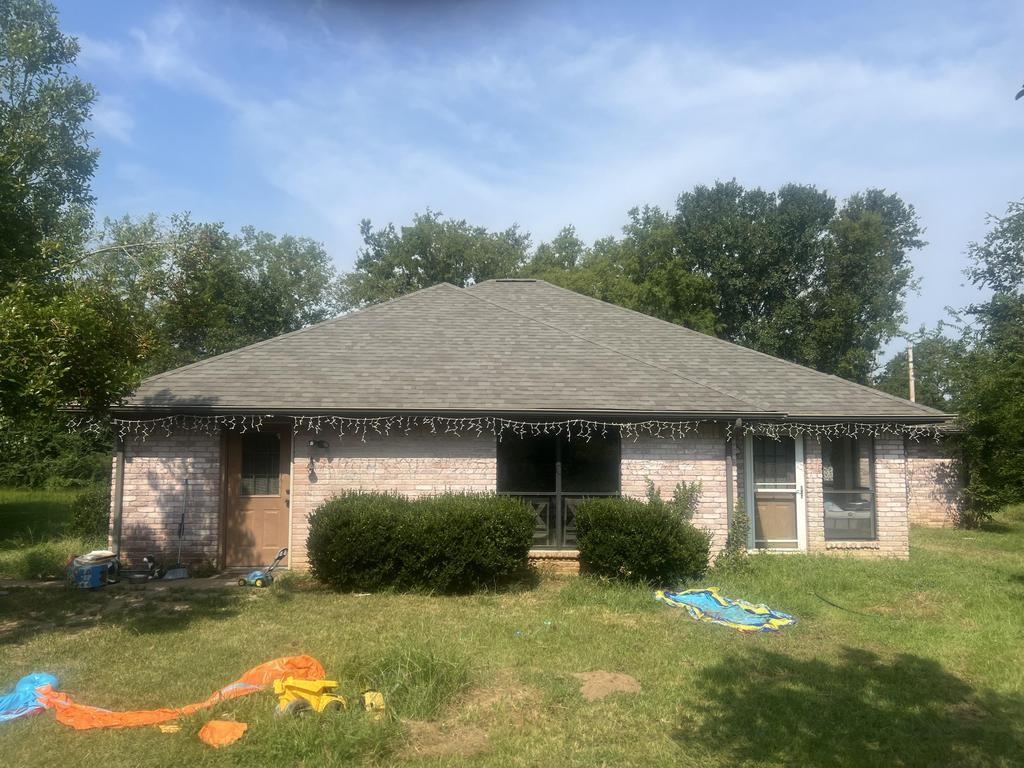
(88, 573)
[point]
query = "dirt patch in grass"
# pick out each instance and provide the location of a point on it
(598, 684)
(433, 740)
(503, 691)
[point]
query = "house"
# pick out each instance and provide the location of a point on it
(517, 387)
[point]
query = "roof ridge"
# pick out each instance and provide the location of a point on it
(618, 352)
(329, 321)
(926, 411)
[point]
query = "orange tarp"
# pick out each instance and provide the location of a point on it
(82, 717)
(220, 733)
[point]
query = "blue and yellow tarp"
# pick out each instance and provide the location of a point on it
(708, 605)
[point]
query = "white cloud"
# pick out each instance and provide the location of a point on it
(110, 117)
(577, 128)
(96, 53)
(168, 51)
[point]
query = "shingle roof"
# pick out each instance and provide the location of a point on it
(510, 346)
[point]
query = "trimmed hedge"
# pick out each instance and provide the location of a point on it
(637, 541)
(449, 543)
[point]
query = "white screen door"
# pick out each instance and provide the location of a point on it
(775, 493)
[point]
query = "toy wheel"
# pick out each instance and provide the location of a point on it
(333, 706)
(260, 582)
(294, 708)
(241, 582)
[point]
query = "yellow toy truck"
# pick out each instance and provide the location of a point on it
(297, 696)
(294, 697)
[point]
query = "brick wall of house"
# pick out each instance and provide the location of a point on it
(421, 463)
(154, 498)
(697, 457)
(417, 464)
(934, 484)
(892, 528)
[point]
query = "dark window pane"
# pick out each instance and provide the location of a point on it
(591, 467)
(261, 465)
(847, 479)
(774, 461)
(526, 464)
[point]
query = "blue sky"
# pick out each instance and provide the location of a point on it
(305, 117)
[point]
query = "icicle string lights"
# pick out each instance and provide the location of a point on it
(571, 429)
(779, 430)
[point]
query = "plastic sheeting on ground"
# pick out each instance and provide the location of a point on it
(221, 733)
(83, 717)
(24, 699)
(709, 606)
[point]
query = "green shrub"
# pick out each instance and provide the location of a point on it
(684, 501)
(638, 541)
(90, 513)
(734, 555)
(449, 543)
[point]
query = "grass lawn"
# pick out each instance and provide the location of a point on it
(917, 663)
(32, 542)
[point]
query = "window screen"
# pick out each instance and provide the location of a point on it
(526, 464)
(261, 465)
(774, 462)
(591, 466)
(847, 478)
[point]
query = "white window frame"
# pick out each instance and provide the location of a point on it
(799, 491)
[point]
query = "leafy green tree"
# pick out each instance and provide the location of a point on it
(855, 298)
(669, 283)
(46, 163)
(938, 360)
(61, 342)
(798, 277)
(565, 251)
(201, 290)
(598, 273)
(431, 250)
(991, 397)
(639, 271)
(71, 347)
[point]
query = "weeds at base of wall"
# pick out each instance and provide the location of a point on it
(735, 557)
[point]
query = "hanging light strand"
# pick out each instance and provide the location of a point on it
(572, 429)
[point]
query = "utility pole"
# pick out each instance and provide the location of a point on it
(910, 370)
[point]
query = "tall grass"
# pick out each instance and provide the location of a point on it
(417, 682)
(33, 539)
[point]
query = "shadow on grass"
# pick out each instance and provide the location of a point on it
(29, 613)
(862, 710)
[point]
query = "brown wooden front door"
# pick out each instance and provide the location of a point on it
(258, 485)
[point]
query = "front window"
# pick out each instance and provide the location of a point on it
(848, 483)
(261, 464)
(554, 474)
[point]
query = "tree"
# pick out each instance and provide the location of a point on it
(938, 359)
(797, 277)
(200, 290)
(856, 298)
(46, 163)
(74, 347)
(432, 250)
(565, 251)
(638, 271)
(598, 273)
(60, 342)
(991, 400)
